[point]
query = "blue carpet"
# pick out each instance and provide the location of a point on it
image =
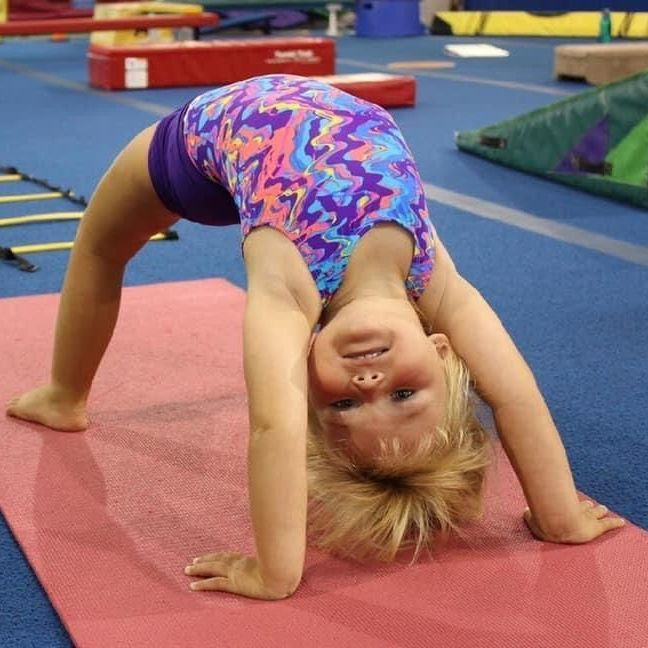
(27, 619)
(579, 316)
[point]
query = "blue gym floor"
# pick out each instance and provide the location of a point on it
(579, 315)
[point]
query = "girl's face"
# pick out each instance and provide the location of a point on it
(370, 381)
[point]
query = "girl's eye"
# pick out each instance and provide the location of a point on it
(343, 404)
(402, 394)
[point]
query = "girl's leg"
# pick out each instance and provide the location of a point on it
(123, 213)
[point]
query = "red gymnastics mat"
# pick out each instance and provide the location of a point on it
(109, 518)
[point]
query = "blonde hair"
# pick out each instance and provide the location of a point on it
(402, 497)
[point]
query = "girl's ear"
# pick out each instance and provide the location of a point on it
(441, 342)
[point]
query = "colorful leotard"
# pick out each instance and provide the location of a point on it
(316, 163)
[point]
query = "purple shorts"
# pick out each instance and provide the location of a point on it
(179, 185)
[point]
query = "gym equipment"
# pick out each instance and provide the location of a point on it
(599, 64)
(84, 25)
(12, 174)
(387, 90)
(207, 63)
(13, 254)
(594, 141)
(388, 18)
(40, 218)
(30, 197)
(316, 7)
(136, 10)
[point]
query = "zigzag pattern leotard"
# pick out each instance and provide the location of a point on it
(316, 163)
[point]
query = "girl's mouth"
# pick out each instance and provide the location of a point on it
(365, 354)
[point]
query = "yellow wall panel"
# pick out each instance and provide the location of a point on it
(583, 24)
(462, 23)
(638, 26)
(501, 23)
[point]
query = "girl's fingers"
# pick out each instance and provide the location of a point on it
(207, 569)
(219, 555)
(212, 584)
(206, 558)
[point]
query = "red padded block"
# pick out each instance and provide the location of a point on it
(190, 63)
(387, 90)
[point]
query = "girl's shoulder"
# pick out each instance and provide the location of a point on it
(274, 265)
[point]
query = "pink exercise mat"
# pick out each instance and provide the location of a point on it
(109, 518)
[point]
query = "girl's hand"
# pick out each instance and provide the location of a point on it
(231, 572)
(590, 523)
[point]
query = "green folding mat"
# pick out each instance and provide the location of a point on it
(596, 141)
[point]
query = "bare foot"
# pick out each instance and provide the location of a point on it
(45, 405)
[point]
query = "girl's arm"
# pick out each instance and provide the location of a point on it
(277, 336)
(523, 420)
(281, 309)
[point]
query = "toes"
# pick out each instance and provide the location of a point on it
(614, 523)
(597, 510)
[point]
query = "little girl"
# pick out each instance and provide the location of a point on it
(337, 242)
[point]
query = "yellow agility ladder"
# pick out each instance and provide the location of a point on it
(13, 254)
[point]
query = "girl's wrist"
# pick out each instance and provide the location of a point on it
(557, 526)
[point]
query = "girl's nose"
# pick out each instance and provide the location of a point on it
(368, 379)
